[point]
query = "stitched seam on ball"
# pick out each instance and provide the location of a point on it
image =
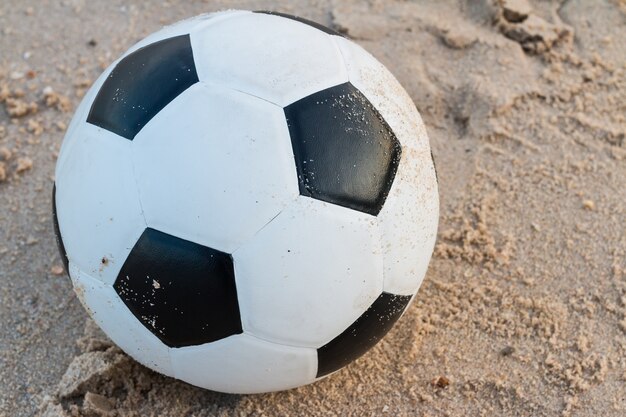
(210, 84)
(136, 182)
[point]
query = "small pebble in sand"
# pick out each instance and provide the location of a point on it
(96, 403)
(507, 351)
(516, 11)
(54, 99)
(61, 126)
(589, 205)
(23, 164)
(3, 172)
(441, 382)
(56, 270)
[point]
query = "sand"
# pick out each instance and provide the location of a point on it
(523, 310)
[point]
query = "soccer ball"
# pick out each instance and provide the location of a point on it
(246, 201)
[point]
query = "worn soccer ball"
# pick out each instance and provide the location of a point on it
(246, 201)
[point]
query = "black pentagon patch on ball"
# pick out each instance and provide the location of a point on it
(181, 291)
(57, 231)
(345, 152)
(142, 84)
(363, 334)
(316, 25)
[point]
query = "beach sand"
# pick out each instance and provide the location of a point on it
(523, 309)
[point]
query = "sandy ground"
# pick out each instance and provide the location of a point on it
(523, 310)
